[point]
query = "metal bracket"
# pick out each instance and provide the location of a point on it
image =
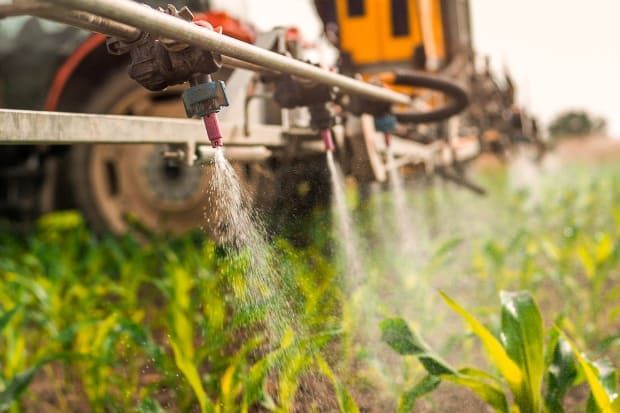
(205, 98)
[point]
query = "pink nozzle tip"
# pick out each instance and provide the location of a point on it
(213, 130)
(388, 139)
(328, 140)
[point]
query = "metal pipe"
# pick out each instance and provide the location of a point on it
(89, 21)
(79, 19)
(164, 25)
(98, 24)
(206, 153)
(21, 7)
(240, 64)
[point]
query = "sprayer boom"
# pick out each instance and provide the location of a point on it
(169, 46)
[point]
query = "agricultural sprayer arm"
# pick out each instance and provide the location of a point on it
(130, 23)
(126, 19)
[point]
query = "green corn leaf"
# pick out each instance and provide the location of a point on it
(509, 369)
(345, 401)
(517, 242)
(495, 252)
(608, 341)
(182, 334)
(605, 402)
(425, 386)
(189, 370)
(149, 406)
(604, 248)
(523, 339)
(232, 383)
(550, 249)
(481, 375)
(255, 376)
(290, 366)
(609, 381)
(561, 374)
(6, 317)
(139, 335)
(254, 380)
(16, 387)
(397, 334)
(478, 382)
(446, 248)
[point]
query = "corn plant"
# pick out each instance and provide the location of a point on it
(114, 325)
(519, 357)
(12, 383)
(567, 242)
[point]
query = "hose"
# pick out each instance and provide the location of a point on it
(457, 94)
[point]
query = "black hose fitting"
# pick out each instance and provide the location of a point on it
(459, 98)
(360, 105)
(291, 93)
(320, 117)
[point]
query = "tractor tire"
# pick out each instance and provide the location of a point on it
(124, 186)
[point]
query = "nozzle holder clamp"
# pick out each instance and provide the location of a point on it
(205, 98)
(157, 63)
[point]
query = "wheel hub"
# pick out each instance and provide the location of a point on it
(170, 181)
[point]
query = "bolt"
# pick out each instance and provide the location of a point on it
(173, 154)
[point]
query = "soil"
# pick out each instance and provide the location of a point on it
(452, 398)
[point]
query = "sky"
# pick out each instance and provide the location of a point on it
(563, 54)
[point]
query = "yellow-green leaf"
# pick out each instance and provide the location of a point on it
(508, 368)
(409, 398)
(604, 248)
(6, 317)
(396, 333)
(561, 374)
(522, 337)
(603, 400)
(489, 392)
(345, 401)
(586, 261)
(189, 370)
(226, 381)
(15, 387)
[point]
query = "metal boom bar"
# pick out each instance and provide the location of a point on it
(25, 127)
(161, 24)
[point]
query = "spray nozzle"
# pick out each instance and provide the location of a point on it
(328, 140)
(205, 100)
(213, 130)
(387, 137)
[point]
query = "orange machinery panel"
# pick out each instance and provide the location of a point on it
(383, 31)
(379, 31)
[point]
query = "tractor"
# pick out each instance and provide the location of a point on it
(420, 48)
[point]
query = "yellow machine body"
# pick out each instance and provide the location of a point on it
(389, 31)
